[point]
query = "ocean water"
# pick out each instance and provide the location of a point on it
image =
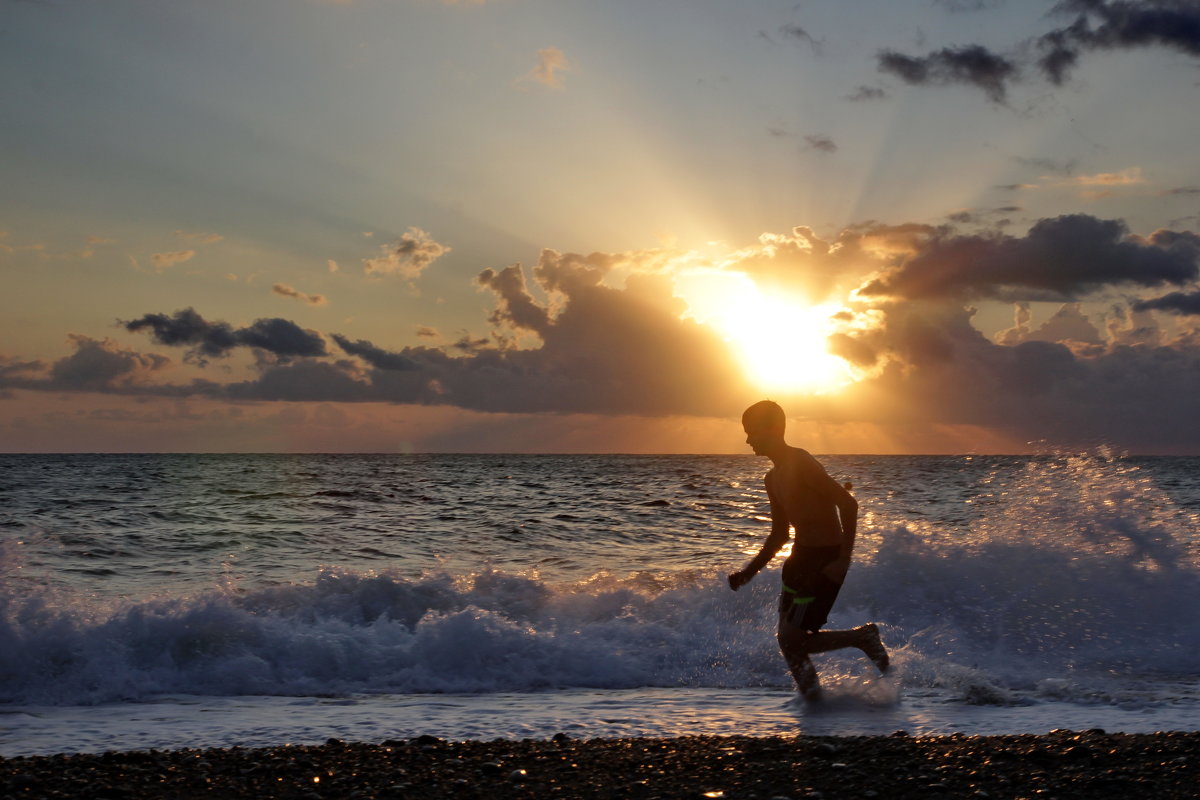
(217, 600)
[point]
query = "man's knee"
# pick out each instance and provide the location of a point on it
(790, 635)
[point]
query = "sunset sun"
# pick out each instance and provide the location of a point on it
(780, 343)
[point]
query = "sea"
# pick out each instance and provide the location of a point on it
(169, 601)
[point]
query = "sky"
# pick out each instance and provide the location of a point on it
(922, 226)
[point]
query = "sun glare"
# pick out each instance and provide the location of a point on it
(780, 342)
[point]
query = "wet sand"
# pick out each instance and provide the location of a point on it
(1062, 764)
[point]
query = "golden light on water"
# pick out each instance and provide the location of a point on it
(781, 343)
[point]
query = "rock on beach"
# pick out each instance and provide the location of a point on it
(1091, 765)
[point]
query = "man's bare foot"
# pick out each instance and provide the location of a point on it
(874, 648)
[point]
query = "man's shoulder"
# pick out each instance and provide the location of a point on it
(805, 459)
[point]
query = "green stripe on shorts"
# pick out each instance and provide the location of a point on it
(797, 600)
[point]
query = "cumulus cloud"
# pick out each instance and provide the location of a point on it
(96, 365)
(164, 261)
(408, 256)
(550, 63)
(1061, 258)
(1068, 324)
(932, 365)
(284, 290)
(279, 337)
(972, 65)
(606, 348)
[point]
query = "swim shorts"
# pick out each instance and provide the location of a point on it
(808, 594)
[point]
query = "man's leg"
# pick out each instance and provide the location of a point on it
(792, 640)
(864, 637)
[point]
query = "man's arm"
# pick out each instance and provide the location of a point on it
(847, 508)
(780, 532)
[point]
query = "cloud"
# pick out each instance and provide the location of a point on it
(968, 5)
(1126, 177)
(1063, 167)
(551, 62)
(94, 366)
(1105, 184)
(1096, 25)
(1061, 258)
(865, 93)
(408, 256)
(1118, 25)
(376, 357)
(821, 142)
(287, 291)
(279, 337)
(1068, 324)
(930, 365)
(199, 238)
(608, 349)
(972, 65)
(1174, 303)
(164, 260)
(799, 34)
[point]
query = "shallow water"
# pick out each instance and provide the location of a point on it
(307, 594)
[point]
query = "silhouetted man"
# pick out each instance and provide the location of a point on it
(825, 517)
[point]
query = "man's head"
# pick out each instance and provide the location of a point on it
(764, 423)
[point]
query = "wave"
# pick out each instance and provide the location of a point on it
(1075, 573)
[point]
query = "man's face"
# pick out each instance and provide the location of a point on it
(758, 437)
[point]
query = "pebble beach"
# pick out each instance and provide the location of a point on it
(1062, 764)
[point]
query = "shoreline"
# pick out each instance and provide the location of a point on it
(1062, 764)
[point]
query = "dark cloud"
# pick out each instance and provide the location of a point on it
(280, 337)
(376, 357)
(930, 365)
(515, 306)
(972, 65)
(1123, 24)
(1095, 25)
(1061, 258)
(1175, 303)
(97, 365)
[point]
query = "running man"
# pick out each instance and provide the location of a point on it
(825, 517)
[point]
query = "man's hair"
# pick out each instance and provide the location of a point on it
(764, 414)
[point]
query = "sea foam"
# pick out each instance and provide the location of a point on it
(1073, 582)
